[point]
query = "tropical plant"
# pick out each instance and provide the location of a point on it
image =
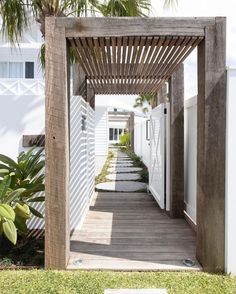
(125, 7)
(145, 102)
(13, 214)
(125, 139)
(20, 182)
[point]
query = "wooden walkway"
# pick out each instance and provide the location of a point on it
(128, 231)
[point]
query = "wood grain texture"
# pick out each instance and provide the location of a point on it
(134, 26)
(176, 88)
(131, 65)
(211, 148)
(56, 148)
(128, 231)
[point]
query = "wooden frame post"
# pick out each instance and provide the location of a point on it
(79, 81)
(91, 96)
(211, 147)
(176, 91)
(162, 94)
(57, 227)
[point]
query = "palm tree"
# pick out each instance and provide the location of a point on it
(17, 15)
(125, 7)
(145, 102)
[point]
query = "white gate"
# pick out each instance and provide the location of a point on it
(159, 155)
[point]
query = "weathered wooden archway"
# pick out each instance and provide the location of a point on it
(170, 41)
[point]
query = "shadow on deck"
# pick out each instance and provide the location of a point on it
(128, 231)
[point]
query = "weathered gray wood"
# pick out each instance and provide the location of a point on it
(133, 26)
(90, 98)
(162, 94)
(211, 147)
(176, 92)
(79, 81)
(33, 140)
(131, 129)
(112, 239)
(57, 148)
(141, 73)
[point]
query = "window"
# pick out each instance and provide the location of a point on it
(114, 134)
(17, 70)
(29, 70)
(110, 134)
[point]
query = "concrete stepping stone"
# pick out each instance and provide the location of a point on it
(123, 177)
(122, 186)
(121, 161)
(123, 169)
(120, 164)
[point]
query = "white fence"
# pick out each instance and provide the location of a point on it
(230, 209)
(82, 163)
(190, 157)
(101, 137)
(22, 112)
(141, 142)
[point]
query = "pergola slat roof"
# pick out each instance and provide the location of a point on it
(131, 64)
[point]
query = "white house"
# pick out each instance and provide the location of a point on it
(22, 108)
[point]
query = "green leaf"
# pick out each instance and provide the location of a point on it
(35, 212)
(7, 212)
(34, 189)
(22, 211)
(4, 171)
(37, 199)
(9, 230)
(5, 184)
(7, 160)
(14, 195)
(20, 223)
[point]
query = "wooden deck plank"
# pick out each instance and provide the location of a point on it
(128, 231)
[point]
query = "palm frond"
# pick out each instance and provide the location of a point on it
(15, 19)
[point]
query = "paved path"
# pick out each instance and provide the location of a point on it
(128, 231)
(123, 176)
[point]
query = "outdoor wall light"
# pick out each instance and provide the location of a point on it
(83, 123)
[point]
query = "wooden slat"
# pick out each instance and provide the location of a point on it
(131, 65)
(184, 54)
(117, 234)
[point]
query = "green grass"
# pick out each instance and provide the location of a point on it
(101, 178)
(138, 163)
(39, 281)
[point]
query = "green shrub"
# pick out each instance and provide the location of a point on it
(20, 181)
(125, 139)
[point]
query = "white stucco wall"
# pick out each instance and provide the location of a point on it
(230, 214)
(20, 114)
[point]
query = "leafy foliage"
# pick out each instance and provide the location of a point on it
(125, 8)
(145, 102)
(20, 181)
(125, 139)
